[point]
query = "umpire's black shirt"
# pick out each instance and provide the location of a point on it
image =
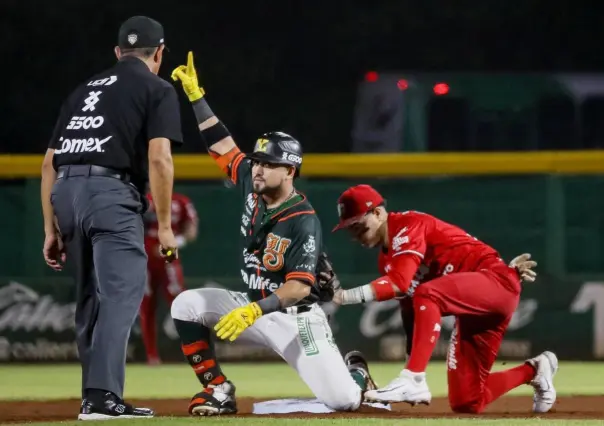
(108, 120)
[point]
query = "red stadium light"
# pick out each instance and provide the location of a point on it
(402, 84)
(441, 89)
(371, 76)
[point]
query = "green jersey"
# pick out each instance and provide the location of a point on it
(278, 244)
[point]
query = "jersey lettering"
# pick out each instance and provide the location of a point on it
(81, 145)
(257, 282)
(77, 123)
(274, 252)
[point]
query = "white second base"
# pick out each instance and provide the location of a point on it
(284, 406)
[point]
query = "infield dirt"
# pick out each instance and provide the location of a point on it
(570, 407)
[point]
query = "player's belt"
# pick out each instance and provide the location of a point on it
(90, 170)
(294, 310)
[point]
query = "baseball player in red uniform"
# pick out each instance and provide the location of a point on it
(161, 276)
(439, 270)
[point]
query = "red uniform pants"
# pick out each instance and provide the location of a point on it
(483, 303)
(169, 279)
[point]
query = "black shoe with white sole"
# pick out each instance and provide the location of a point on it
(214, 400)
(356, 363)
(112, 407)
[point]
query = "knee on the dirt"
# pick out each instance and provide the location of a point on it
(467, 407)
(343, 400)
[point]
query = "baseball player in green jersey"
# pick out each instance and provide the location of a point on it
(284, 274)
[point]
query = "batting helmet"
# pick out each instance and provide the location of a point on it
(278, 148)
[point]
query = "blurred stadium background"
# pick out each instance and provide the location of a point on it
(475, 115)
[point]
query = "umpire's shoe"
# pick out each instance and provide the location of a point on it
(214, 400)
(357, 365)
(110, 408)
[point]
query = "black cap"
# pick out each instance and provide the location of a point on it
(140, 31)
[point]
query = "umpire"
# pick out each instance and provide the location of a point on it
(112, 136)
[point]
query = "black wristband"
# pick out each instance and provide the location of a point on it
(270, 304)
(202, 110)
(215, 134)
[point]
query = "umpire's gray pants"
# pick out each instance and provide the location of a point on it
(101, 224)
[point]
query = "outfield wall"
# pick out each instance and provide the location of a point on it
(548, 204)
(566, 316)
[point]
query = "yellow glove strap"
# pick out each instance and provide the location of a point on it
(256, 309)
(196, 94)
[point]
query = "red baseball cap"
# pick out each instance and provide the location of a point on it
(356, 202)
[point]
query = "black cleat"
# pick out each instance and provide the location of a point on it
(214, 400)
(112, 408)
(355, 361)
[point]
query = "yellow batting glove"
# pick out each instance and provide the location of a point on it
(188, 77)
(232, 324)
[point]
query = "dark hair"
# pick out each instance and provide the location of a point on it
(142, 52)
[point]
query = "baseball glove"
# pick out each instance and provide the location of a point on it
(327, 279)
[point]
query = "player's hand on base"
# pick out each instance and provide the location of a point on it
(235, 322)
(188, 77)
(524, 266)
(168, 247)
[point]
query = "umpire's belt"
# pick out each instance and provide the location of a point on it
(90, 170)
(294, 310)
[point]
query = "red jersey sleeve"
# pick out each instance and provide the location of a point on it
(401, 271)
(407, 249)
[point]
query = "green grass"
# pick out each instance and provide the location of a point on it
(259, 380)
(345, 422)
(43, 382)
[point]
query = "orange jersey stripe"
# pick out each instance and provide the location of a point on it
(300, 276)
(289, 216)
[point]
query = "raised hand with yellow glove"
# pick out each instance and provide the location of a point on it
(188, 77)
(235, 322)
(213, 132)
